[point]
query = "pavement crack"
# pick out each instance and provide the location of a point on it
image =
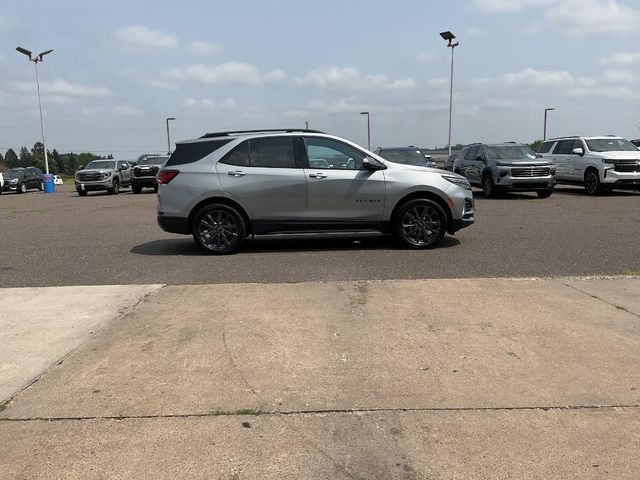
(346, 411)
(232, 360)
(595, 297)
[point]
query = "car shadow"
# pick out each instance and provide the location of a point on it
(579, 191)
(286, 243)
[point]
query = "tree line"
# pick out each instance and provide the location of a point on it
(59, 163)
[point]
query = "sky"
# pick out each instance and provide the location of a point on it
(120, 68)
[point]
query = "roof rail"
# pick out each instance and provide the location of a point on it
(262, 130)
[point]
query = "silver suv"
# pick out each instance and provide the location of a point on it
(500, 167)
(226, 186)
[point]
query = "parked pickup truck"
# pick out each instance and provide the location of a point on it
(109, 175)
(144, 173)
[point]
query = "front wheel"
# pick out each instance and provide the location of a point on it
(592, 184)
(219, 229)
(488, 189)
(22, 188)
(41, 186)
(115, 188)
(420, 223)
(545, 193)
(82, 193)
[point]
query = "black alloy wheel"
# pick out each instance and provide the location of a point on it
(488, 189)
(592, 185)
(420, 224)
(219, 229)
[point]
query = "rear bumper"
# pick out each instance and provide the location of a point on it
(174, 224)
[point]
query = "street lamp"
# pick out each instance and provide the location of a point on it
(35, 60)
(168, 138)
(544, 137)
(450, 37)
(368, 129)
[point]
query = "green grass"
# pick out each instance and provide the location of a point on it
(631, 272)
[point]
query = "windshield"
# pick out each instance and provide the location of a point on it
(611, 145)
(511, 152)
(153, 161)
(406, 157)
(13, 173)
(102, 164)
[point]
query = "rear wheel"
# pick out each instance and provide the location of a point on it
(115, 189)
(420, 223)
(155, 188)
(592, 185)
(219, 229)
(545, 193)
(22, 188)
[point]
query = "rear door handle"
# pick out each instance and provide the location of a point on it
(237, 173)
(318, 175)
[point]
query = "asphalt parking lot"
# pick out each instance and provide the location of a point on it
(62, 239)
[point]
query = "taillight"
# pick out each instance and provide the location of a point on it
(165, 176)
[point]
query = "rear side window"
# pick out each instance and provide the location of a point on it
(238, 156)
(545, 147)
(192, 152)
(564, 147)
(272, 152)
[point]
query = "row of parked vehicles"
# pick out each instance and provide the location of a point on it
(600, 164)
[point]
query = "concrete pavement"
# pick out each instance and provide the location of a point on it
(474, 378)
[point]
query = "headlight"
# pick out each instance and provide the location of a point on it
(461, 182)
(14, 180)
(106, 174)
(608, 160)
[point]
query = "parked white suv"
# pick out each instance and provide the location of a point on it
(598, 163)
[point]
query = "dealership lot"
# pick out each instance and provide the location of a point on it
(320, 357)
(104, 239)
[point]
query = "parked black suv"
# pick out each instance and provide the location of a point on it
(20, 180)
(144, 173)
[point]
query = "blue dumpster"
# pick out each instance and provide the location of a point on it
(49, 186)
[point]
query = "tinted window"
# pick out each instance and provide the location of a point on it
(511, 152)
(192, 152)
(328, 153)
(122, 164)
(272, 152)
(102, 164)
(238, 156)
(564, 147)
(471, 153)
(545, 147)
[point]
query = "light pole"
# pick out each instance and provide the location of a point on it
(168, 137)
(544, 137)
(450, 37)
(368, 129)
(35, 60)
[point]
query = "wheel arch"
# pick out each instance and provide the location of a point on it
(426, 195)
(224, 201)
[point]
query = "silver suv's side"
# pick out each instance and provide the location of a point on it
(598, 163)
(226, 186)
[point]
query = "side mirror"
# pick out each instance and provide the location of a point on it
(372, 164)
(538, 155)
(578, 151)
(81, 167)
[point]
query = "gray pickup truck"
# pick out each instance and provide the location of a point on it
(109, 175)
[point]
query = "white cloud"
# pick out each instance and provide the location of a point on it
(508, 6)
(229, 72)
(622, 58)
(618, 76)
(141, 36)
(127, 110)
(349, 77)
(530, 77)
(424, 57)
(62, 87)
(203, 48)
(589, 16)
(606, 92)
(438, 83)
(208, 104)
(586, 81)
(342, 105)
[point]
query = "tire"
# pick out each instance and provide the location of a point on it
(488, 188)
(420, 223)
(41, 186)
(22, 188)
(592, 185)
(219, 229)
(544, 193)
(136, 189)
(115, 189)
(155, 188)
(82, 193)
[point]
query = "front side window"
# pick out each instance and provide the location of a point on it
(564, 147)
(272, 152)
(471, 153)
(545, 147)
(611, 145)
(332, 154)
(122, 164)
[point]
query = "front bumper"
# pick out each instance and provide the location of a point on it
(523, 184)
(463, 209)
(144, 181)
(629, 179)
(94, 186)
(9, 187)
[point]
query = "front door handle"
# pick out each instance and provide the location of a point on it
(237, 173)
(318, 175)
